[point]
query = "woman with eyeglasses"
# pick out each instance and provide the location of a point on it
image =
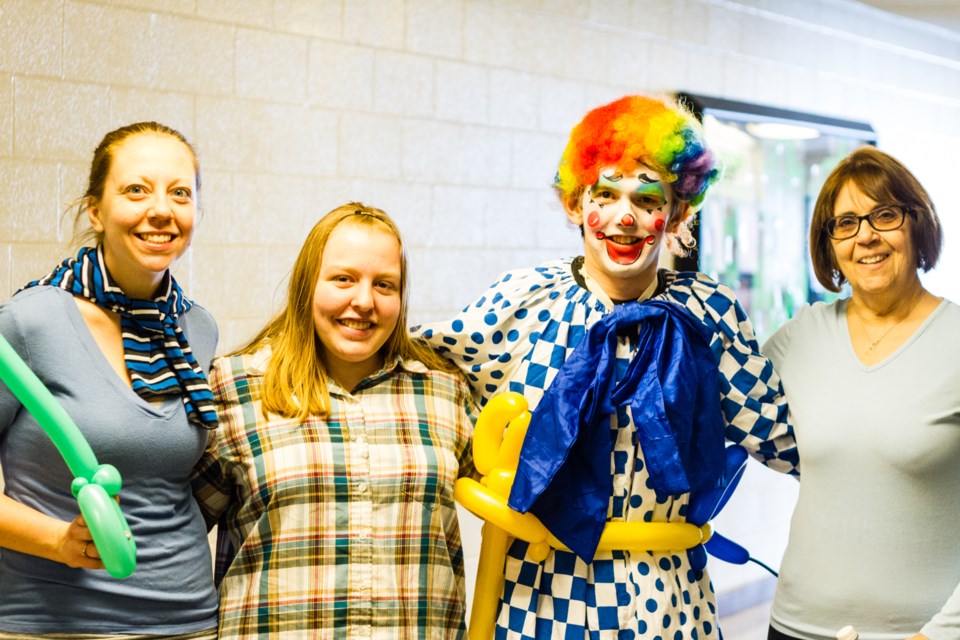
(873, 382)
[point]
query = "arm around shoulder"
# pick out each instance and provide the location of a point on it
(213, 481)
(752, 397)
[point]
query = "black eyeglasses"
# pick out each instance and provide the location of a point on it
(883, 218)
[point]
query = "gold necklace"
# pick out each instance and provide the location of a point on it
(873, 345)
(863, 325)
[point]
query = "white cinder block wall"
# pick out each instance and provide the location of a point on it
(448, 114)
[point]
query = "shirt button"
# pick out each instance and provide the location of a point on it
(362, 487)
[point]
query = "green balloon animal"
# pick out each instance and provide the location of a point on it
(95, 485)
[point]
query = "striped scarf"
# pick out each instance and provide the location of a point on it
(158, 358)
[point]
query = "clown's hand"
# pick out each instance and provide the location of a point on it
(497, 439)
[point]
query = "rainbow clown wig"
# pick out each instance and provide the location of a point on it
(632, 131)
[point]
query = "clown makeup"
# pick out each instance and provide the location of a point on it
(624, 217)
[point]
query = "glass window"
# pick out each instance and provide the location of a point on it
(752, 232)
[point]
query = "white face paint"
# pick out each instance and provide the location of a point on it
(624, 218)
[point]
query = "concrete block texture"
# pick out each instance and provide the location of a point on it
(340, 76)
(6, 114)
(58, 119)
(31, 191)
(321, 18)
(435, 27)
(195, 56)
(249, 13)
(378, 23)
(138, 105)
(271, 66)
(32, 37)
(109, 45)
(259, 136)
(371, 146)
(462, 92)
(403, 84)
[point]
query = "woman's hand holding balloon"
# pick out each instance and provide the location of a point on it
(77, 548)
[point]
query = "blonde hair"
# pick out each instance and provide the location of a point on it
(295, 383)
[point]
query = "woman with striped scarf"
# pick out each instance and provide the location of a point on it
(113, 336)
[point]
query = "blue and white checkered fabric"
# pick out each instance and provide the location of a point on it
(516, 337)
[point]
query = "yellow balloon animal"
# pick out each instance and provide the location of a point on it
(497, 439)
(496, 451)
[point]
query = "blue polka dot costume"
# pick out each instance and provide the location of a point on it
(515, 337)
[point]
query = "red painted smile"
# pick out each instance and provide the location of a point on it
(625, 249)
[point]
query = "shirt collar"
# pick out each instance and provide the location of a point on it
(584, 280)
(391, 368)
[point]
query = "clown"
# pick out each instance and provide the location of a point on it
(636, 420)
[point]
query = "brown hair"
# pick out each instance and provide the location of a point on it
(100, 169)
(885, 180)
(295, 383)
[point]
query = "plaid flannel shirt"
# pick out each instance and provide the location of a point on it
(344, 526)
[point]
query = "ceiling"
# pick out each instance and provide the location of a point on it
(945, 13)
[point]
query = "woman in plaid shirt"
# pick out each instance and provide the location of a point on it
(332, 473)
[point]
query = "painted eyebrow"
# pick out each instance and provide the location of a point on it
(613, 177)
(645, 178)
(603, 185)
(650, 187)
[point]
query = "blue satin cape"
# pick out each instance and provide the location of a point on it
(672, 388)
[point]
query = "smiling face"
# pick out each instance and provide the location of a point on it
(357, 300)
(875, 263)
(624, 217)
(146, 214)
